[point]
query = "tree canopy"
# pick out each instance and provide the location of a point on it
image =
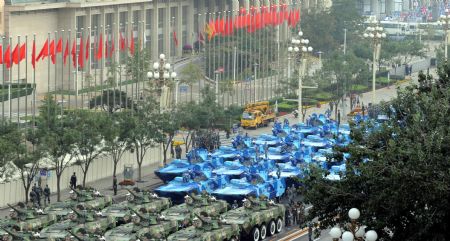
(397, 174)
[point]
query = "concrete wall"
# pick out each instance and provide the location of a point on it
(13, 192)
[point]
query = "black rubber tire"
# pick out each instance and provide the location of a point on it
(272, 227)
(279, 225)
(263, 231)
(255, 234)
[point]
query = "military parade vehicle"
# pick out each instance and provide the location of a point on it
(257, 218)
(90, 222)
(148, 201)
(207, 228)
(26, 219)
(88, 198)
(184, 213)
(144, 226)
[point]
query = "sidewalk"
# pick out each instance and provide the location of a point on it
(149, 181)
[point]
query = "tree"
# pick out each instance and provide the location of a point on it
(190, 74)
(57, 135)
(397, 174)
(169, 124)
(111, 100)
(10, 141)
(145, 130)
(88, 140)
(116, 136)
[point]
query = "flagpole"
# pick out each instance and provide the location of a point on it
(18, 79)
(69, 35)
(95, 61)
(3, 85)
(34, 87)
(125, 55)
(62, 70)
(26, 77)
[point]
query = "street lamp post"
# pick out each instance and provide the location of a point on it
(376, 34)
(445, 20)
(300, 49)
(216, 74)
(162, 76)
(357, 231)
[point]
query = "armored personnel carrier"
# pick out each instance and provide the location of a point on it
(207, 229)
(257, 218)
(184, 213)
(89, 199)
(90, 222)
(144, 226)
(147, 201)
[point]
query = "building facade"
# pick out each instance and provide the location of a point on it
(153, 23)
(413, 10)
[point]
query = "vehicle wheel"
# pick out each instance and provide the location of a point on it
(272, 228)
(263, 231)
(255, 234)
(279, 225)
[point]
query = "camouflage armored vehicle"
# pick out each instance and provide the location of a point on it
(90, 222)
(184, 213)
(145, 226)
(89, 199)
(57, 231)
(136, 201)
(87, 237)
(10, 235)
(257, 218)
(207, 229)
(27, 220)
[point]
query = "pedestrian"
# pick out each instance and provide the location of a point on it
(290, 217)
(294, 213)
(227, 133)
(339, 117)
(115, 185)
(331, 106)
(73, 181)
(310, 232)
(33, 196)
(300, 214)
(172, 151)
(46, 195)
(178, 151)
(363, 109)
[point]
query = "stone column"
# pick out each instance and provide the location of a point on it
(179, 29)
(166, 30)
(375, 8)
(191, 32)
(154, 29)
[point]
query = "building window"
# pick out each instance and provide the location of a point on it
(161, 16)
(148, 29)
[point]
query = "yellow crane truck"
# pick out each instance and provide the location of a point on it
(257, 114)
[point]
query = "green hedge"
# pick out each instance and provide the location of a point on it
(17, 90)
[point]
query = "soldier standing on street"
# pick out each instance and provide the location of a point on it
(294, 213)
(38, 191)
(310, 232)
(46, 195)
(300, 214)
(115, 185)
(178, 151)
(73, 181)
(33, 196)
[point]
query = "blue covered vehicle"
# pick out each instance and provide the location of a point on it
(176, 168)
(231, 169)
(179, 187)
(254, 185)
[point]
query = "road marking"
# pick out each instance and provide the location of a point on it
(316, 239)
(300, 232)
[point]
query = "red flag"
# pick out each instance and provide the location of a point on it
(74, 54)
(33, 55)
(1, 54)
(175, 39)
(88, 47)
(52, 51)
(132, 45)
(100, 48)
(122, 42)
(81, 54)
(243, 11)
(7, 58)
(44, 51)
(15, 54)
(66, 52)
(59, 46)
(111, 53)
(23, 52)
(229, 27)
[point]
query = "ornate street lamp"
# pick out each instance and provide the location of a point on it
(300, 51)
(445, 20)
(357, 231)
(163, 81)
(376, 34)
